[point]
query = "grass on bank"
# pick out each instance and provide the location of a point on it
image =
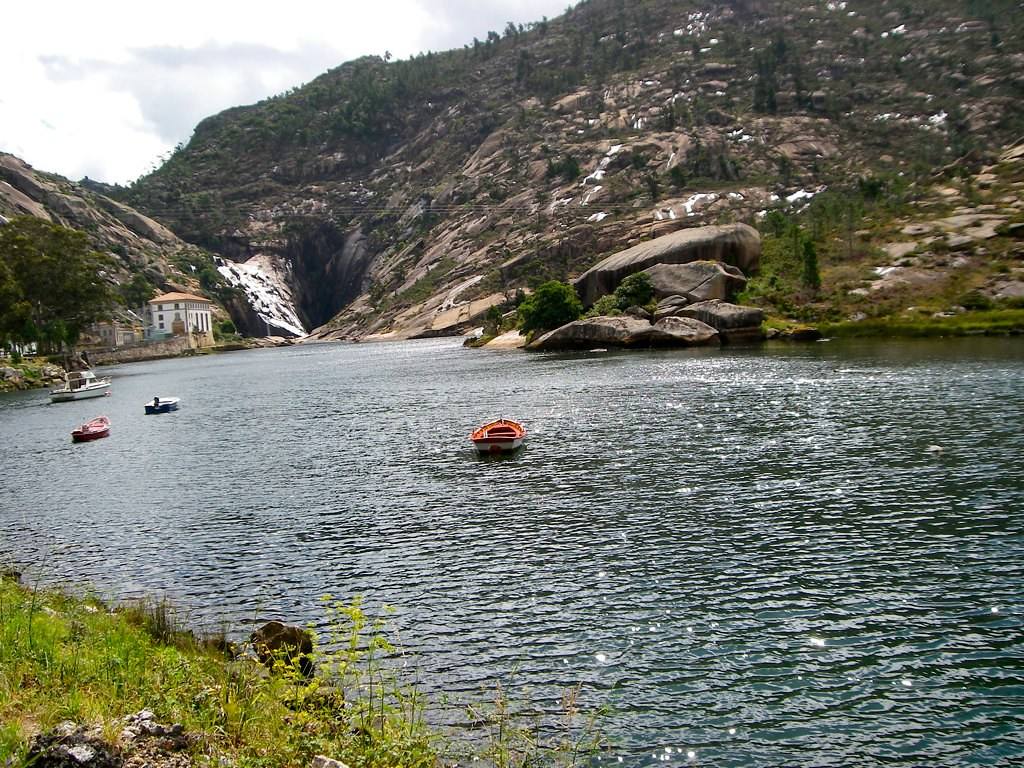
(995, 322)
(68, 658)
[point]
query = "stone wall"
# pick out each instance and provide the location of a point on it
(154, 351)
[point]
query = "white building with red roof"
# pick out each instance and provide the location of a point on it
(180, 314)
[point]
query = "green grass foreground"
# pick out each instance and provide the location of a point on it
(71, 658)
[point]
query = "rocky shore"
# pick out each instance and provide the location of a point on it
(692, 273)
(29, 374)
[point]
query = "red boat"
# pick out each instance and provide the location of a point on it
(499, 436)
(92, 430)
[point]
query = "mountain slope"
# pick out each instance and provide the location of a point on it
(408, 197)
(147, 255)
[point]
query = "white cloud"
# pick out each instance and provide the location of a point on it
(106, 89)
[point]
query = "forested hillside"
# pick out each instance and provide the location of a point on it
(411, 196)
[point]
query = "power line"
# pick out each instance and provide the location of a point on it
(549, 208)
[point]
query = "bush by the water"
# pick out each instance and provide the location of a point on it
(635, 291)
(552, 305)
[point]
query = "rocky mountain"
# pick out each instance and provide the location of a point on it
(147, 255)
(406, 198)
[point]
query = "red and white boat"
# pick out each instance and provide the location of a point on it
(92, 430)
(499, 436)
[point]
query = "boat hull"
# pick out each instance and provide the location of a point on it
(486, 445)
(501, 436)
(164, 407)
(79, 436)
(91, 430)
(64, 396)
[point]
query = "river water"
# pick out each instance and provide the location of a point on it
(778, 555)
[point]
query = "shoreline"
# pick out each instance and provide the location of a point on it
(1008, 323)
(37, 372)
(74, 671)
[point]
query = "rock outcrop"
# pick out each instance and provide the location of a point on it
(737, 245)
(137, 244)
(670, 306)
(696, 281)
(679, 332)
(591, 332)
(626, 331)
(278, 643)
(509, 340)
(732, 321)
(322, 761)
(143, 743)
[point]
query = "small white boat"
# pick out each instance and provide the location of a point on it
(162, 405)
(78, 385)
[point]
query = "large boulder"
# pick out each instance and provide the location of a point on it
(626, 331)
(509, 340)
(697, 281)
(592, 332)
(738, 245)
(733, 321)
(277, 643)
(670, 306)
(680, 332)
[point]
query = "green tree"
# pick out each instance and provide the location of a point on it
(776, 223)
(652, 186)
(568, 167)
(136, 292)
(552, 305)
(635, 291)
(811, 275)
(606, 306)
(14, 310)
(60, 281)
(492, 321)
(766, 85)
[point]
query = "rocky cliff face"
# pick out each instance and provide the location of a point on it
(140, 244)
(406, 198)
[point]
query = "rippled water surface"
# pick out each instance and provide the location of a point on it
(768, 556)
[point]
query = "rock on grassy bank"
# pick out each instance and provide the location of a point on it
(82, 684)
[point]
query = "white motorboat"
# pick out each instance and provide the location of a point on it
(79, 385)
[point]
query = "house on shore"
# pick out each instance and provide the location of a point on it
(124, 329)
(182, 315)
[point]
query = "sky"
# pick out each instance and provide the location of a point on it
(107, 89)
